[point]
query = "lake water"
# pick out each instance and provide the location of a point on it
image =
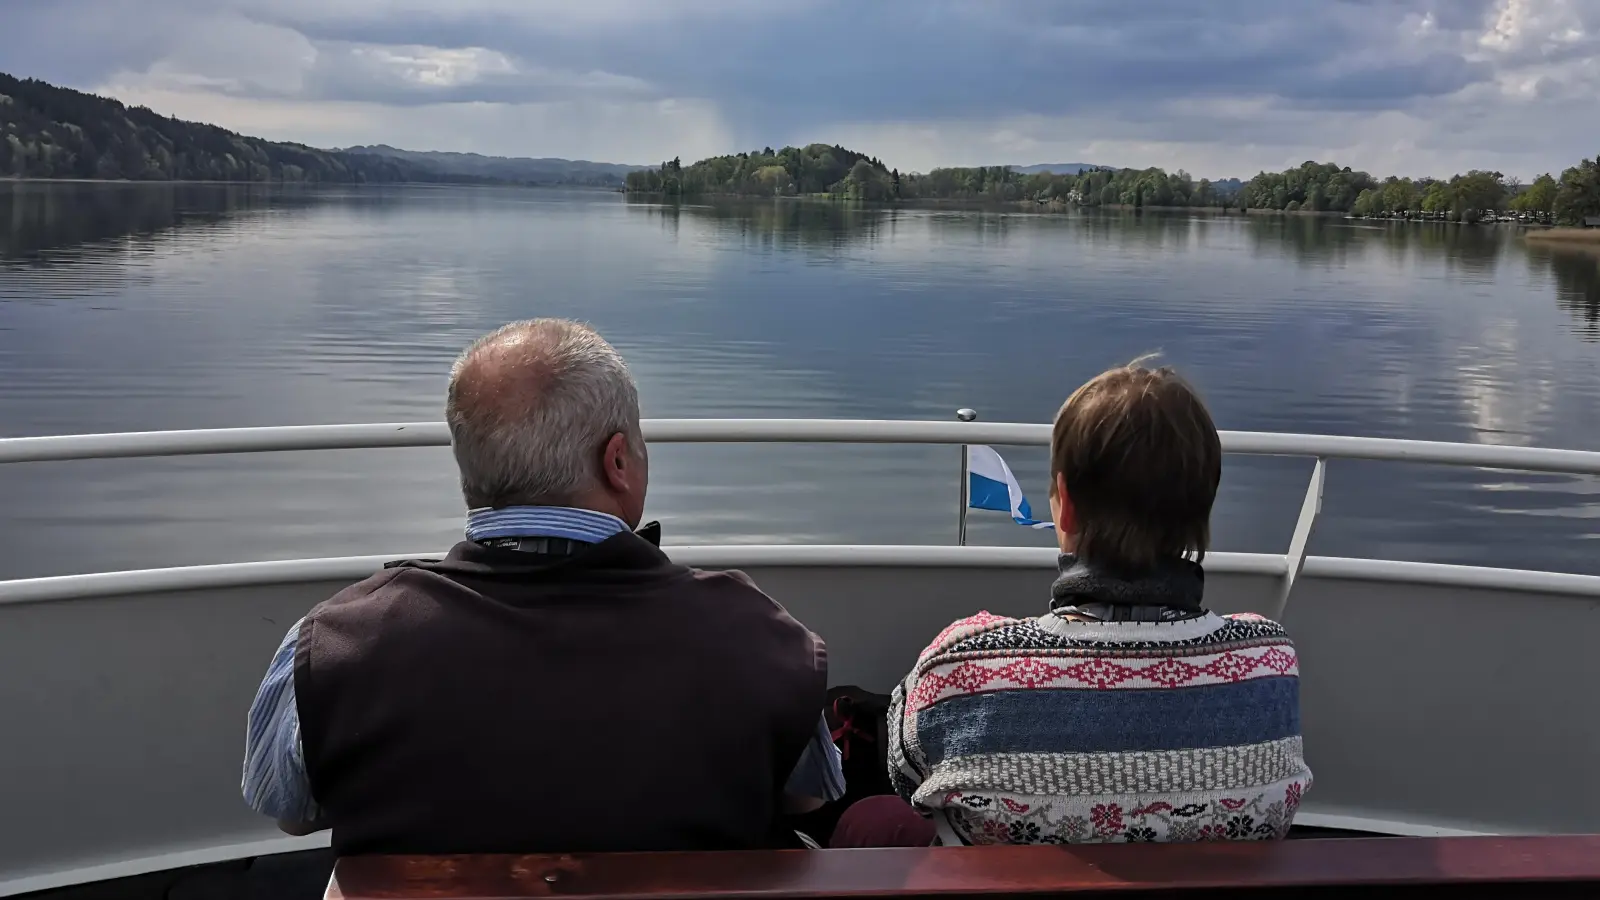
(141, 307)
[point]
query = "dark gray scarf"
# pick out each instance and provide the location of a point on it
(1169, 592)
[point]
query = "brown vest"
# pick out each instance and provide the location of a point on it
(505, 702)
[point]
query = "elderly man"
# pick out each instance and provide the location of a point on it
(544, 687)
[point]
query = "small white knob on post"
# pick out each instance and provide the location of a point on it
(963, 415)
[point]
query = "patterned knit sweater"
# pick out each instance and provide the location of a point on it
(1051, 730)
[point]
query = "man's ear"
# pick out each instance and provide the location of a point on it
(614, 462)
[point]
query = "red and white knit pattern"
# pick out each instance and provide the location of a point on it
(1006, 794)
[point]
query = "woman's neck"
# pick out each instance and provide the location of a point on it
(1176, 583)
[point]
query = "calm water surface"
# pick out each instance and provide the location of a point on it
(137, 307)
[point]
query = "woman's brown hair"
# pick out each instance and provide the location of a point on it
(1141, 460)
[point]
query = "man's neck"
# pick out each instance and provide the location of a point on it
(569, 522)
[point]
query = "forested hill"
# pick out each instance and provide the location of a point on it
(53, 132)
(813, 169)
(1309, 187)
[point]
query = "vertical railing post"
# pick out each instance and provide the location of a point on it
(963, 415)
(1300, 540)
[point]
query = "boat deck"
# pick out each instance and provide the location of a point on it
(304, 875)
(1386, 712)
(1388, 867)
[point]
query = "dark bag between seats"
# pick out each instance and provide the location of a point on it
(858, 719)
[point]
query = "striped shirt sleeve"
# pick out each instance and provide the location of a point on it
(820, 772)
(275, 782)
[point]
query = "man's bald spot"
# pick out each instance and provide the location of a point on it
(499, 377)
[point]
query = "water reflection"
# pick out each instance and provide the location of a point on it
(1474, 251)
(1308, 240)
(128, 307)
(41, 222)
(777, 224)
(36, 218)
(1576, 273)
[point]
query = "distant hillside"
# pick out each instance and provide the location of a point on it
(1057, 168)
(1228, 186)
(520, 170)
(53, 132)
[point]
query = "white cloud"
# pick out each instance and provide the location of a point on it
(235, 55)
(230, 54)
(435, 66)
(425, 72)
(273, 81)
(1537, 27)
(612, 131)
(551, 14)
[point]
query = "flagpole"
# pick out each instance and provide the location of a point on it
(964, 415)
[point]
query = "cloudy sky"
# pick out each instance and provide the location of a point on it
(1217, 87)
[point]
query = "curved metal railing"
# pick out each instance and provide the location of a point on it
(858, 431)
(848, 431)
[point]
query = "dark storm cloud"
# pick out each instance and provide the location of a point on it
(836, 59)
(1152, 70)
(841, 59)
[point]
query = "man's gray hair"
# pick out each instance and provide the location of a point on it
(530, 408)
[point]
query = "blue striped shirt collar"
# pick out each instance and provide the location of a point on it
(585, 525)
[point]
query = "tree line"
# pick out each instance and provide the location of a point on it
(1093, 186)
(1469, 197)
(822, 169)
(53, 132)
(793, 171)
(1477, 194)
(1309, 187)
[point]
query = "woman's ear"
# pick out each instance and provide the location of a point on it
(1062, 513)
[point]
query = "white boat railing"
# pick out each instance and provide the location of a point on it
(963, 432)
(58, 448)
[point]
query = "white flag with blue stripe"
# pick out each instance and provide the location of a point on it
(990, 485)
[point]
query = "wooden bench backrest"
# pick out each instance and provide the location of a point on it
(1384, 867)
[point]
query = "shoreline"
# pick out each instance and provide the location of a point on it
(1571, 235)
(1056, 207)
(17, 179)
(1565, 234)
(14, 179)
(973, 203)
